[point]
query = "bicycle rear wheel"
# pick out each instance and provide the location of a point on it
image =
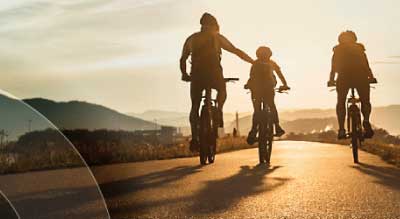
(204, 135)
(262, 138)
(356, 133)
(270, 139)
(213, 135)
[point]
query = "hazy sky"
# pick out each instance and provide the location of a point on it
(124, 53)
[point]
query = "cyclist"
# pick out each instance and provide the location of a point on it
(262, 83)
(350, 62)
(205, 47)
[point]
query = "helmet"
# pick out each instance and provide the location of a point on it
(263, 52)
(208, 20)
(347, 36)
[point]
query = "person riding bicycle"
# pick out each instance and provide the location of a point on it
(205, 48)
(350, 63)
(262, 84)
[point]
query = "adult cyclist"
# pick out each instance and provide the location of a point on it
(350, 62)
(205, 48)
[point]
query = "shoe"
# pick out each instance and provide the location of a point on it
(369, 133)
(252, 137)
(341, 134)
(279, 131)
(194, 145)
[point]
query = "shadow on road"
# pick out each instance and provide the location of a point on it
(221, 195)
(81, 202)
(148, 181)
(387, 176)
(214, 197)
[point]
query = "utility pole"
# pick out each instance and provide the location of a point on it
(237, 124)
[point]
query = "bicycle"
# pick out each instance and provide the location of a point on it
(354, 126)
(209, 123)
(266, 130)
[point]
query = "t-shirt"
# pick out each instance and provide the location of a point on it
(262, 74)
(350, 62)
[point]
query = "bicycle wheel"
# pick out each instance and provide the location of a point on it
(270, 139)
(355, 134)
(262, 138)
(204, 135)
(213, 135)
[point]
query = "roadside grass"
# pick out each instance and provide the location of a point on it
(383, 144)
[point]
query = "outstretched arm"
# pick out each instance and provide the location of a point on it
(278, 72)
(228, 46)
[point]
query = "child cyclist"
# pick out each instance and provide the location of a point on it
(262, 84)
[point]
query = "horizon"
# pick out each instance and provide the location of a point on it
(187, 112)
(62, 50)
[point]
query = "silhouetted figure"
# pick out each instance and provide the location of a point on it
(350, 63)
(205, 47)
(262, 84)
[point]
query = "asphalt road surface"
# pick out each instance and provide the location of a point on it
(306, 180)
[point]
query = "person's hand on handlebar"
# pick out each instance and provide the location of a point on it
(186, 77)
(331, 83)
(284, 87)
(372, 80)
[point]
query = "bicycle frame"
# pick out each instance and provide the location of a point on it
(209, 123)
(265, 134)
(354, 126)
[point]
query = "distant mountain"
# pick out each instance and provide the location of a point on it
(17, 118)
(177, 119)
(83, 115)
(308, 120)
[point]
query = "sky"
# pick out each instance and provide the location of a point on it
(124, 54)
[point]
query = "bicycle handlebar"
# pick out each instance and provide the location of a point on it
(334, 83)
(231, 79)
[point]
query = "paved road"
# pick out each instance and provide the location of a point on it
(306, 180)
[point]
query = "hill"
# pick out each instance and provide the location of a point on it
(309, 120)
(18, 117)
(84, 115)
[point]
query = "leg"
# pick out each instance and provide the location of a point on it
(195, 95)
(364, 93)
(221, 97)
(251, 138)
(257, 108)
(270, 100)
(342, 91)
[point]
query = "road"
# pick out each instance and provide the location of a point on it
(306, 180)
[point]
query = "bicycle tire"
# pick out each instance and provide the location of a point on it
(355, 134)
(204, 135)
(213, 135)
(270, 139)
(262, 138)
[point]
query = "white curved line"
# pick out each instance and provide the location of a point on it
(9, 202)
(76, 150)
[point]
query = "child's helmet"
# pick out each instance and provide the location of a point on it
(263, 52)
(347, 36)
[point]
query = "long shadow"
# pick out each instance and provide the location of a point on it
(149, 181)
(61, 203)
(387, 176)
(221, 195)
(216, 195)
